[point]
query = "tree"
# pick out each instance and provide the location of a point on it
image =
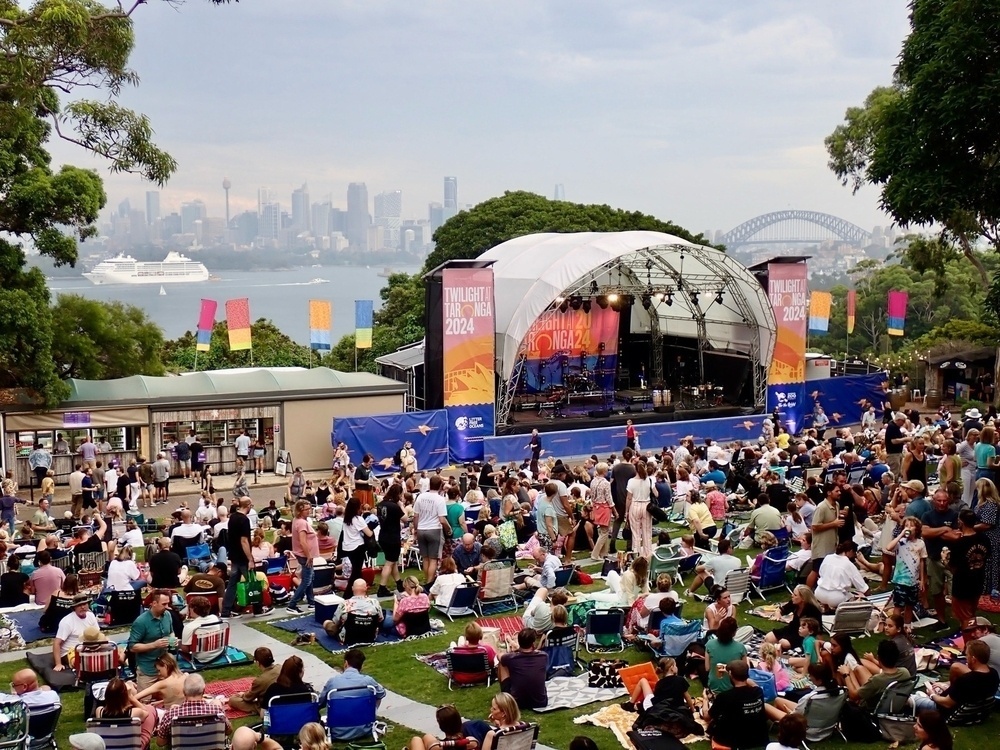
(271, 348)
(929, 142)
(103, 340)
(49, 53)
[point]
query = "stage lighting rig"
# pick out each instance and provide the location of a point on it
(594, 290)
(564, 305)
(694, 298)
(718, 298)
(647, 301)
(576, 302)
(670, 297)
(602, 301)
(586, 306)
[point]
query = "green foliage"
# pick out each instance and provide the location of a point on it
(959, 331)
(930, 142)
(104, 340)
(471, 233)
(271, 348)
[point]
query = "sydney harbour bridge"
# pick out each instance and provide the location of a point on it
(794, 227)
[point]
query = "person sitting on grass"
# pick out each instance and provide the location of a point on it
(246, 738)
(865, 687)
(770, 661)
(522, 671)
(823, 687)
(721, 649)
(895, 632)
(808, 630)
(791, 733)
(932, 731)
(713, 571)
(839, 652)
(671, 688)
(538, 613)
(974, 686)
(449, 721)
(736, 715)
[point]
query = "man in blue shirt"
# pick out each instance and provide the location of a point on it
(150, 637)
(350, 679)
(468, 555)
(714, 474)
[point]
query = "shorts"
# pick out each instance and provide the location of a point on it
(391, 548)
(565, 525)
(935, 578)
(905, 596)
(184, 462)
(429, 543)
(258, 454)
(160, 484)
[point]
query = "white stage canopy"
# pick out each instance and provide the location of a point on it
(533, 272)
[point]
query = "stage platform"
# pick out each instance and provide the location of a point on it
(575, 417)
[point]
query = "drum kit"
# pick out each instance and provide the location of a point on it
(705, 394)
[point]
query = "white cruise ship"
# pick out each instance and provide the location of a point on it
(124, 269)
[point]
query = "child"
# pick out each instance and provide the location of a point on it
(895, 631)
(49, 486)
(671, 688)
(808, 628)
(472, 641)
(909, 577)
(839, 654)
(791, 733)
(687, 546)
(770, 661)
(450, 723)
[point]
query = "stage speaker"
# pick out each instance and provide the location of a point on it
(665, 409)
(599, 414)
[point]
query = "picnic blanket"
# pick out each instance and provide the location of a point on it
(232, 657)
(227, 688)
(438, 662)
(307, 624)
(27, 625)
(620, 722)
(508, 626)
(573, 692)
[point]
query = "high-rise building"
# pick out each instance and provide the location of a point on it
(300, 209)
(245, 227)
(389, 216)
(338, 221)
(269, 221)
(319, 221)
(124, 208)
(559, 194)
(450, 197)
(152, 206)
(137, 233)
(263, 197)
(358, 218)
(171, 225)
(435, 216)
(190, 213)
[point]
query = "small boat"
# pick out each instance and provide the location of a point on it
(319, 281)
(163, 292)
(213, 277)
(386, 272)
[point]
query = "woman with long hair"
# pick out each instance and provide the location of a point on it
(603, 509)
(121, 703)
(802, 604)
(504, 716)
(261, 549)
(932, 731)
(719, 609)
(313, 736)
(413, 600)
(289, 680)
(638, 492)
(988, 513)
(722, 648)
(169, 685)
(353, 548)
(824, 687)
(841, 657)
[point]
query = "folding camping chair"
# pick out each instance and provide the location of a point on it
(208, 643)
(563, 576)
(350, 711)
(524, 738)
(895, 714)
(42, 728)
(124, 606)
(323, 579)
(604, 631)
(199, 733)
(118, 734)
(772, 572)
(199, 556)
(970, 714)
(562, 646)
(285, 715)
(96, 665)
(417, 622)
(213, 600)
(463, 599)
(496, 586)
(14, 728)
(90, 567)
(63, 559)
(469, 667)
(823, 717)
(273, 565)
(737, 583)
(849, 617)
(361, 629)
(674, 638)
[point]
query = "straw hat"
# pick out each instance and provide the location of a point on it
(92, 634)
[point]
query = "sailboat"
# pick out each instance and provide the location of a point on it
(163, 292)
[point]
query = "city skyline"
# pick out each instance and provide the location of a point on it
(702, 115)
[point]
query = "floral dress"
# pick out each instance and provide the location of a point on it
(989, 513)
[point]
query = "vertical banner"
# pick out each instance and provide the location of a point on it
(206, 322)
(819, 312)
(238, 322)
(469, 336)
(852, 302)
(788, 290)
(320, 318)
(897, 312)
(364, 315)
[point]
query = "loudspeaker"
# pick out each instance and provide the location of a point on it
(665, 409)
(599, 414)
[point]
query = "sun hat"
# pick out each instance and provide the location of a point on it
(973, 413)
(914, 484)
(87, 741)
(92, 634)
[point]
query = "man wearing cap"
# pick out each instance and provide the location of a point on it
(916, 503)
(70, 631)
(978, 629)
(87, 741)
(895, 439)
(150, 637)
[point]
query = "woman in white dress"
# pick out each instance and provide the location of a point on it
(639, 489)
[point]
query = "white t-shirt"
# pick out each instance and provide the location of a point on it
(121, 573)
(205, 513)
(132, 539)
(242, 445)
(353, 533)
(424, 484)
(444, 587)
(639, 488)
(188, 531)
(429, 508)
(188, 633)
(71, 629)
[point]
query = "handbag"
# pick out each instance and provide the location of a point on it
(371, 545)
(249, 592)
(603, 673)
(508, 534)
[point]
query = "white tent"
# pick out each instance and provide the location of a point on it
(533, 272)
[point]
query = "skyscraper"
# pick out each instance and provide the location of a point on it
(152, 206)
(560, 192)
(269, 221)
(320, 219)
(435, 216)
(389, 216)
(450, 197)
(190, 213)
(358, 217)
(300, 209)
(263, 197)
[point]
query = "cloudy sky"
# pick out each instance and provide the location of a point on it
(705, 113)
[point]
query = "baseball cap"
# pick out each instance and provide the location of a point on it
(86, 741)
(977, 622)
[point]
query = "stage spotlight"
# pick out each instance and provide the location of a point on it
(647, 301)
(670, 297)
(586, 306)
(718, 298)
(658, 296)
(612, 297)
(602, 302)
(564, 306)
(576, 302)
(694, 298)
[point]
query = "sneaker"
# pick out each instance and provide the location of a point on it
(230, 615)
(383, 591)
(399, 585)
(266, 610)
(293, 609)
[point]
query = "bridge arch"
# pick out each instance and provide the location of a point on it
(745, 232)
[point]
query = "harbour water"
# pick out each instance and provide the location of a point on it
(281, 296)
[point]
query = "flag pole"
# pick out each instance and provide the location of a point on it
(195, 358)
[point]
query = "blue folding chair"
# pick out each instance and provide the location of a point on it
(673, 638)
(772, 572)
(563, 576)
(351, 714)
(604, 631)
(462, 601)
(199, 556)
(285, 715)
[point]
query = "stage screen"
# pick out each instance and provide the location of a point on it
(575, 349)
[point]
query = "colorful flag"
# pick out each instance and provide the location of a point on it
(206, 322)
(238, 321)
(897, 312)
(852, 302)
(819, 312)
(364, 310)
(320, 316)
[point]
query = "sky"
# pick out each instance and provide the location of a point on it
(703, 113)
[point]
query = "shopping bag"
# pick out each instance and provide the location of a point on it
(249, 592)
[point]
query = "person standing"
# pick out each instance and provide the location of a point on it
(820, 421)
(76, 490)
(242, 445)
(88, 452)
(970, 554)
(620, 476)
(603, 509)
(8, 505)
(183, 451)
(145, 482)
(305, 547)
(161, 479)
(430, 524)
(966, 451)
(259, 452)
(630, 435)
(826, 525)
(352, 545)
(362, 481)
(40, 461)
(637, 500)
(240, 554)
(535, 445)
(895, 439)
(940, 530)
(197, 449)
(390, 517)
